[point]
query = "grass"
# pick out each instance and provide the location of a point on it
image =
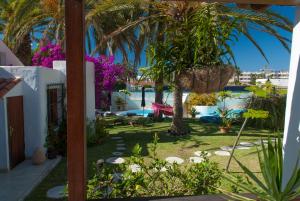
(202, 137)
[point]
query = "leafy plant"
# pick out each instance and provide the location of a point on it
(193, 112)
(202, 99)
(96, 131)
(271, 187)
(153, 178)
(272, 100)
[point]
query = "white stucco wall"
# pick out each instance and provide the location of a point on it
(291, 141)
(7, 57)
(35, 84)
(4, 141)
(90, 86)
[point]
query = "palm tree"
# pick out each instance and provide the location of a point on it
(213, 27)
(112, 24)
(16, 36)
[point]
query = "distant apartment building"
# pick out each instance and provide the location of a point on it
(277, 77)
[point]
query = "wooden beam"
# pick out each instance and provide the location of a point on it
(267, 2)
(75, 27)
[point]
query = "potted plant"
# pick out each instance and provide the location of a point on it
(126, 93)
(51, 142)
(120, 103)
(226, 121)
(193, 112)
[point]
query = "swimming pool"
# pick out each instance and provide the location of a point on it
(144, 112)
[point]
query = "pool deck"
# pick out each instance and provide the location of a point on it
(16, 184)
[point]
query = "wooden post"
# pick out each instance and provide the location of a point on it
(75, 28)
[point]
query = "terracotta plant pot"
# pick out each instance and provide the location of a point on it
(224, 129)
(206, 80)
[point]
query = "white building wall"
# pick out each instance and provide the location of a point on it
(35, 84)
(7, 57)
(291, 141)
(90, 86)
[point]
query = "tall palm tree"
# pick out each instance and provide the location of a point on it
(16, 35)
(202, 17)
(111, 24)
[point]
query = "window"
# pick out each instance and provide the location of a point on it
(55, 104)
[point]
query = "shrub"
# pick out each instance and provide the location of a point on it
(275, 105)
(202, 99)
(156, 178)
(96, 131)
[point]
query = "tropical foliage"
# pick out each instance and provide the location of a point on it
(187, 45)
(153, 178)
(271, 187)
(272, 100)
(107, 73)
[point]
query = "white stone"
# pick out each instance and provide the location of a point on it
(196, 159)
(117, 153)
(226, 148)
(174, 159)
(116, 138)
(115, 160)
(56, 192)
(201, 153)
(222, 153)
(135, 168)
(121, 148)
(246, 144)
(242, 147)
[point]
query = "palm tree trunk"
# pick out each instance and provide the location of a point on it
(178, 127)
(159, 84)
(23, 52)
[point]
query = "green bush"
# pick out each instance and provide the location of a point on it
(202, 99)
(275, 105)
(155, 178)
(96, 131)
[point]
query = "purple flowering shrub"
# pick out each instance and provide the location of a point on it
(47, 54)
(107, 73)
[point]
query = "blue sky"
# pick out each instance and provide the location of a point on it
(248, 57)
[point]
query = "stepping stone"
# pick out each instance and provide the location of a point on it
(120, 141)
(259, 142)
(116, 138)
(242, 147)
(222, 153)
(117, 153)
(196, 159)
(163, 169)
(226, 148)
(135, 168)
(56, 192)
(115, 160)
(246, 144)
(121, 148)
(99, 162)
(121, 145)
(201, 153)
(174, 159)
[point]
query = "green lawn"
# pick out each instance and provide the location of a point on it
(203, 137)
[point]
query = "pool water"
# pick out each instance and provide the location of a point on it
(144, 112)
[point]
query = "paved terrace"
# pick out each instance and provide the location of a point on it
(16, 184)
